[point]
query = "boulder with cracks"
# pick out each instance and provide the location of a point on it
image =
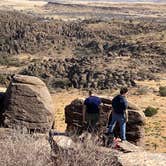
(27, 104)
(135, 125)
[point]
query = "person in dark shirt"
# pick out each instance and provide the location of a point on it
(91, 111)
(119, 113)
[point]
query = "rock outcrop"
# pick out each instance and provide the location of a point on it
(135, 129)
(82, 72)
(28, 104)
(134, 155)
(126, 154)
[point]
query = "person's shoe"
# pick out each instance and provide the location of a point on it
(123, 140)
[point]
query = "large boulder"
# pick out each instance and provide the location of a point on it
(135, 125)
(28, 104)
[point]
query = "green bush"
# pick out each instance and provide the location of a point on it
(162, 90)
(60, 83)
(150, 111)
(9, 61)
(4, 60)
(3, 79)
(142, 90)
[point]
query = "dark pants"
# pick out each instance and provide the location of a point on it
(92, 119)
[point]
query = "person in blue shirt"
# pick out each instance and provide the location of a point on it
(91, 111)
(119, 113)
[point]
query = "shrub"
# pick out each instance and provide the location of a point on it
(3, 79)
(9, 61)
(142, 90)
(150, 111)
(162, 91)
(60, 83)
(4, 60)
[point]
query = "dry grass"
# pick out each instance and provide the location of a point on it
(84, 154)
(155, 130)
(24, 149)
(20, 149)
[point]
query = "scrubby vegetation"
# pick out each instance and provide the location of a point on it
(119, 52)
(142, 90)
(34, 150)
(3, 79)
(87, 153)
(162, 91)
(24, 149)
(150, 111)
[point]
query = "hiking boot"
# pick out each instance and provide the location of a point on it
(123, 140)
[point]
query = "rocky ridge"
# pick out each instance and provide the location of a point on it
(113, 55)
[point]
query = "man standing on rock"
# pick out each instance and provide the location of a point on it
(119, 113)
(91, 111)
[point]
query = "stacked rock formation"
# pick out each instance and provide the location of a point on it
(82, 72)
(135, 129)
(28, 104)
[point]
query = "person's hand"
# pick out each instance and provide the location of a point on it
(126, 119)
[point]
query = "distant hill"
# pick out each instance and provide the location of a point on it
(155, 1)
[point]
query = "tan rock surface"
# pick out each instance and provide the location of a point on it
(28, 104)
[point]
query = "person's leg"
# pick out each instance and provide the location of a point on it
(95, 119)
(112, 124)
(122, 123)
(88, 120)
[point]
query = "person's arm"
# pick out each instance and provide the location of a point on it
(126, 111)
(126, 115)
(124, 105)
(83, 113)
(100, 106)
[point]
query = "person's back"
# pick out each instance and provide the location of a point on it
(91, 111)
(92, 104)
(119, 104)
(119, 113)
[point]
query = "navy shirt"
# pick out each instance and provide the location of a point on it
(119, 104)
(92, 104)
